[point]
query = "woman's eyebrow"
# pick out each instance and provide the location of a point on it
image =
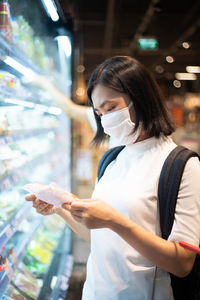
(104, 103)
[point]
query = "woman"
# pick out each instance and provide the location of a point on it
(127, 246)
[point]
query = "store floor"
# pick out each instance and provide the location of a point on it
(80, 251)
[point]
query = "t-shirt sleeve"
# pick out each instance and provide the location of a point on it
(91, 118)
(186, 225)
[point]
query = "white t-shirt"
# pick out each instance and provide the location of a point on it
(112, 141)
(115, 270)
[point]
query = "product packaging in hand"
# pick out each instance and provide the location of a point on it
(50, 193)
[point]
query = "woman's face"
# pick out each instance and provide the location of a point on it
(106, 100)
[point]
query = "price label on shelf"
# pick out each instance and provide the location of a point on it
(16, 223)
(8, 268)
(2, 140)
(2, 267)
(5, 235)
(24, 211)
(13, 257)
(9, 232)
(15, 178)
(64, 283)
(9, 139)
(6, 183)
(53, 282)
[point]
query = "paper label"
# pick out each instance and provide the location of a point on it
(50, 193)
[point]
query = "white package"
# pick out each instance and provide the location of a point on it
(49, 193)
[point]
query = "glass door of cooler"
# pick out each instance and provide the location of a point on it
(35, 146)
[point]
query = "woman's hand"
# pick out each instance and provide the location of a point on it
(40, 81)
(41, 207)
(94, 213)
(45, 209)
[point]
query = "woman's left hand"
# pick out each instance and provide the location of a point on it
(94, 213)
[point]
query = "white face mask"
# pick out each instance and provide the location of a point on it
(118, 125)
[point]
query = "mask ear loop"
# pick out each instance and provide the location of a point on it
(130, 105)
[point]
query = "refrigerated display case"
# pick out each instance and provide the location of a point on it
(35, 146)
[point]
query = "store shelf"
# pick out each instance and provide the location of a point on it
(21, 135)
(29, 104)
(57, 278)
(62, 285)
(13, 223)
(9, 49)
(38, 150)
(6, 275)
(15, 176)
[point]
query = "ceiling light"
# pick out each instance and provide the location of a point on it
(185, 76)
(169, 59)
(193, 69)
(186, 45)
(80, 69)
(51, 9)
(159, 69)
(177, 83)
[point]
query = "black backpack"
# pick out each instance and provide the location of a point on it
(187, 288)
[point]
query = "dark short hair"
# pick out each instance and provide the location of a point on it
(127, 75)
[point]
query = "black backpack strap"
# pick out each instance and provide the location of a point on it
(168, 187)
(106, 159)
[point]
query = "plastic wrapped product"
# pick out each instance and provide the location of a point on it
(50, 193)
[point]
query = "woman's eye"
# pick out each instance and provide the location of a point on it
(111, 108)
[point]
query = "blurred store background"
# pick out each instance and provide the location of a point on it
(64, 40)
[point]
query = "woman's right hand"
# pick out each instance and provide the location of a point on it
(41, 207)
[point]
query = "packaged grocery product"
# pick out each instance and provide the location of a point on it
(5, 25)
(34, 266)
(50, 193)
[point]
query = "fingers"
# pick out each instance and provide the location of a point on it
(48, 210)
(38, 202)
(74, 211)
(30, 197)
(80, 220)
(45, 209)
(78, 205)
(41, 207)
(66, 206)
(78, 213)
